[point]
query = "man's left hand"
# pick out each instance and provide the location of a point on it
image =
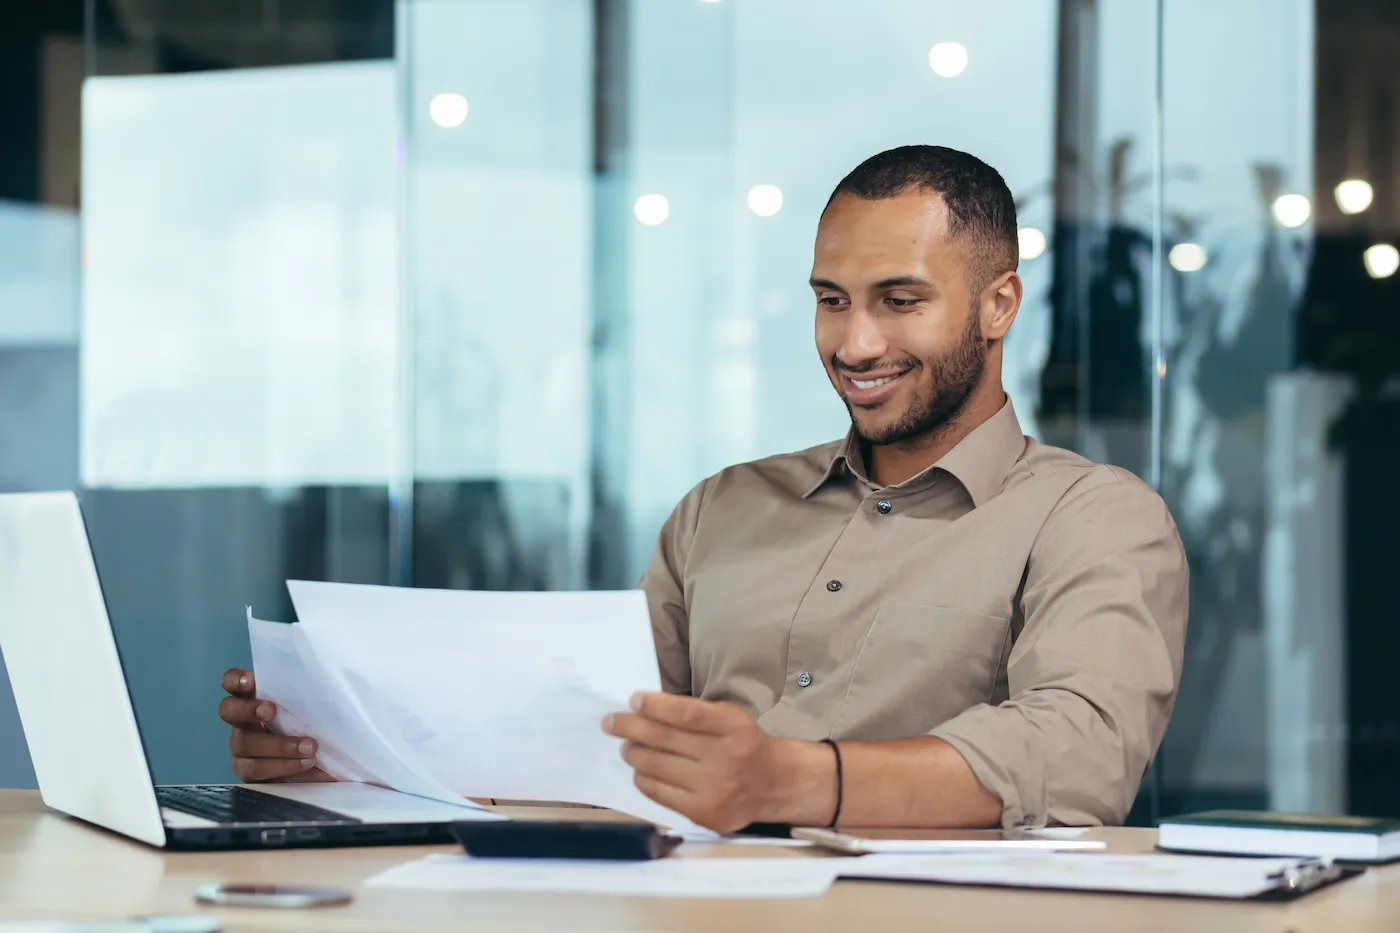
(709, 761)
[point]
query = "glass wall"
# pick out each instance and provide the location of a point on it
(468, 293)
(212, 348)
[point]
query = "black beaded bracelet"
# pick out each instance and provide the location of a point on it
(840, 781)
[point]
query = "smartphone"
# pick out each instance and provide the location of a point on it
(563, 839)
(270, 895)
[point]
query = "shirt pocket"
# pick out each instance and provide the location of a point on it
(918, 667)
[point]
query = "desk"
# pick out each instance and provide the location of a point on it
(55, 868)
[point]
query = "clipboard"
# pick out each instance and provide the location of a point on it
(1149, 874)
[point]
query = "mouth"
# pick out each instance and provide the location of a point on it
(870, 389)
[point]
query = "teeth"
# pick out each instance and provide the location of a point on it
(873, 383)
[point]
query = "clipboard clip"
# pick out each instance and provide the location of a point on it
(1306, 876)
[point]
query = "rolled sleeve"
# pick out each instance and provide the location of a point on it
(1093, 673)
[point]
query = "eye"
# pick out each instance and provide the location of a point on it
(831, 301)
(902, 303)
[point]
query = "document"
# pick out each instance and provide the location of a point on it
(1136, 874)
(666, 877)
(314, 699)
(475, 694)
(891, 841)
(708, 837)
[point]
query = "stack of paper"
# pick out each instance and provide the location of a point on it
(451, 694)
(668, 877)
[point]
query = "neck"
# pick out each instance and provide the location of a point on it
(892, 464)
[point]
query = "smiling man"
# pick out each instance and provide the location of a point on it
(936, 621)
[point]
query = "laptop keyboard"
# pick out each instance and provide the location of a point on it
(231, 804)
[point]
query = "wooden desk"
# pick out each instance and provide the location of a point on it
(54, 868)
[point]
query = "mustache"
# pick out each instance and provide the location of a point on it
(884, 366)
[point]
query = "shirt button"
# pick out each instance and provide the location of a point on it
(804, 679)
(833, 585)
(883, 506)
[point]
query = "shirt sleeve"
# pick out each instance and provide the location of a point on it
(1094, 671)
(667, 600)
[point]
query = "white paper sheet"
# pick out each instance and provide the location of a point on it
(1138, 874)
(313, 699)
(940, 846)
(498, 695)
(707, 837)
(667, 877)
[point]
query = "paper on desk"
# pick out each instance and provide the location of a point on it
(1136, 874)
(313, 699)
(666, 877)
(709, 837)
(496, 694)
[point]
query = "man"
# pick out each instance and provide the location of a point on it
(935, 622)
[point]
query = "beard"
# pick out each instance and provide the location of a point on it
(951, 379)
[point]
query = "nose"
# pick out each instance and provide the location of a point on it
(862, 341)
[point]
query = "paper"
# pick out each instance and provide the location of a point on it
(708, 837)
(1059, 832)
(314, 699)
(1136, 874)
(485, 694)
(940, 841)
(666, 877)
(931, 846)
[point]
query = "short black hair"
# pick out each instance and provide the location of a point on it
(980, 205)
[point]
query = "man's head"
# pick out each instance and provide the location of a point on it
(915, 279)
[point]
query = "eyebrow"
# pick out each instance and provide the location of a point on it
(899, 281)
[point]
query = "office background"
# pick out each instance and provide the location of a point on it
(468, 293)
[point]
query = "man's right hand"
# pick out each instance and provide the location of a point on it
(258, 754)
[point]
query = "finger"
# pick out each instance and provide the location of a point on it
(688, 713)
(668, 795)
(252, 743)
(237, 711)
(637, 728)
(239, 682)
(270, 769)
(683, 773)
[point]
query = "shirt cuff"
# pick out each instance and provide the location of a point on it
(1013, 774)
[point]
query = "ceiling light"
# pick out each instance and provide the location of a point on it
(448, 110)
(1031, 242)
(1354, 195)
(1187, 257)
(1381, 261)
(1292, 210)
(652, 209)
(948, 59)
(765, 200)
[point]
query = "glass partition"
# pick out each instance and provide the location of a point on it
(236, 378)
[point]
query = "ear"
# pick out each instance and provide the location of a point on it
(1001, 299)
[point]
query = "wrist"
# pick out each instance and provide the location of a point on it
(803, 790)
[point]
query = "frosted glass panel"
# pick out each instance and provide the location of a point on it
(239, 299)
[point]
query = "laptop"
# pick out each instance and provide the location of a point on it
(83, 734)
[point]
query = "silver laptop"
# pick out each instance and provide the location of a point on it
(84, 738)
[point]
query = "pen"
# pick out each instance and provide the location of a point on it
(1307, 875)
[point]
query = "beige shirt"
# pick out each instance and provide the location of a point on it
(1023, 604)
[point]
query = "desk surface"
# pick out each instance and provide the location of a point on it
(54, 868)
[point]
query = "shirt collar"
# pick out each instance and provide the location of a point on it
(980, 461)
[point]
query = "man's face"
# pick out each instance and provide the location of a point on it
(898, 327)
